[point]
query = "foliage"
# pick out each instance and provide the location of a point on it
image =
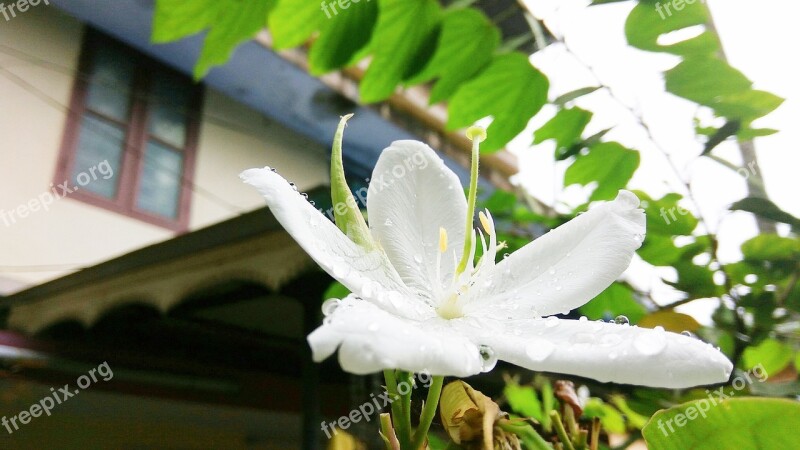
(412, 42)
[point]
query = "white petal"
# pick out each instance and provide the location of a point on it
(368, 274)
(568, 266)
(369, 340)
(606, 352)
(412, 194)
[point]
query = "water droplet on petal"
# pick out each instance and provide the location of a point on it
(373, 327)
(505, 255)
(551, 322)
(273, 169)
(687, 334)
(651, 342)
(610, 339)
(612, 356)
(313, 203)
(621, 320)
(489, 358)
(418, 259)
(388, 223)
(638, 237)
(305, 196)
(552, 271)
(330, 305)
(340, 270)
(539, 349)
(294, 187)
(583, 319)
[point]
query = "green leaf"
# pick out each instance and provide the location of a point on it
(510, 89)
(773, 356)
(457, 59)
(659, 250)
(766, 209)
(748, 105)
(176, 19)
(609, 164)
(565, 128)
(747, 134)
(665, 216)
(771, 247)
(705, 80)
(343, 38)
(293, 21)
(523, 400)
(572, 95)
(742, 423)
(616, 300)
(648, 21)
(610, 418)
(402, 41)
(698, 281)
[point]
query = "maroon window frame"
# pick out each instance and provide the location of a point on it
(130, 172)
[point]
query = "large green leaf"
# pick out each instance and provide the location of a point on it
(609, 164)
(510, 89)
(766, 209)
(659, 250)
(402, 42)
(706, 80)
(737, 423)
(523, 400)
(648, 21)
(457, 59)
(616, 300)
(772, 355)
(748, 105)
(230, 22)
(565, 128)
(293, 21)
(344, 38)
(771, 247)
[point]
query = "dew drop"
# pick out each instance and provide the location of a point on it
(622, 320)
(313, 203)
(329, 306)
(367, 289)
(582, 339)
(552, 271)
(389, 223)
(610, 339)
(273, 169)
(689, 334)
(551, 322)
(294, 187)
(583, 319)
(340, 270)
(373, 327)
(489, 357)
(505, 255)
(305, 196)
(638, 237)
(612, 356)
(539, 349)
(418, 259)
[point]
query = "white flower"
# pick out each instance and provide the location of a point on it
(410, 311)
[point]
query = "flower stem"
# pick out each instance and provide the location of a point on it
(562, 433)
(399, 417)
(428, 412)
(477, 135)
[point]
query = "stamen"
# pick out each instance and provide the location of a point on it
(487, 225)
(442, 240)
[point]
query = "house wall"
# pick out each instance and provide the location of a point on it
(36, 80)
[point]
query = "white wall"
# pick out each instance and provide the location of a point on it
(34, 96)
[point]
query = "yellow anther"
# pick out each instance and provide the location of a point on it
(476, 133)
(485, 222)
(442, 240)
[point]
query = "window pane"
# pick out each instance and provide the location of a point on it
(160, 184)
(98, 157)
(110, 83)
(169, 108)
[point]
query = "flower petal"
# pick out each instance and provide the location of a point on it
(568, 266)
(606, 352)
(366, 273)
(411, 195)
(369, 340)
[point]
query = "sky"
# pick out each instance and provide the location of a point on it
(758, 38)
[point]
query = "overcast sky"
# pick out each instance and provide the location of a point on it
(759, 38)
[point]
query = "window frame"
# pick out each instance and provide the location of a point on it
(136, 135)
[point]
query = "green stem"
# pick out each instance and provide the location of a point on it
(405, 399)
(473, 194)
(403, 432)
(526, 433)
(428, 412)
(562, 433)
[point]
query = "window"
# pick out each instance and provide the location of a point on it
(130, 138)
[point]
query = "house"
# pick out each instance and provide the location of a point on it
(149, 298)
